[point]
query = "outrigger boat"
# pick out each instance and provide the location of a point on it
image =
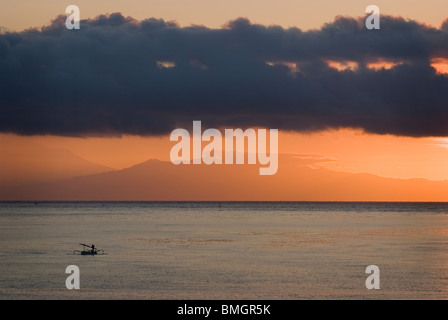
(90, 251)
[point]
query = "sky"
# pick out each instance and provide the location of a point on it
(344, 98)
(22, 14)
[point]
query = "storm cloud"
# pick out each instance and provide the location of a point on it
(116, 75)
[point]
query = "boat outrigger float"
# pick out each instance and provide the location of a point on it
(90, 251)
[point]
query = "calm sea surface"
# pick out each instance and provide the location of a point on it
(224, 250)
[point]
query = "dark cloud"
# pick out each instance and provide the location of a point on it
(117, 76)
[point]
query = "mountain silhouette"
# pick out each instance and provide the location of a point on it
(156, 180)
(30, 163)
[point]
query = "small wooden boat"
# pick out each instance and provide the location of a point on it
(89, 250)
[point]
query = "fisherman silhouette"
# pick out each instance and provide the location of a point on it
(93, 248)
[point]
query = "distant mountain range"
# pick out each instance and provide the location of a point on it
(30, 163)
(156, 180)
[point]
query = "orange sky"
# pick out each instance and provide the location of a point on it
(21, 14)
(340, 150)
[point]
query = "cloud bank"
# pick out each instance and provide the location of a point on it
(117, 76)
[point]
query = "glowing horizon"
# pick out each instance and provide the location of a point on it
(351, 151)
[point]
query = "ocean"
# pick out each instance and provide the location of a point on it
(228, 250)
